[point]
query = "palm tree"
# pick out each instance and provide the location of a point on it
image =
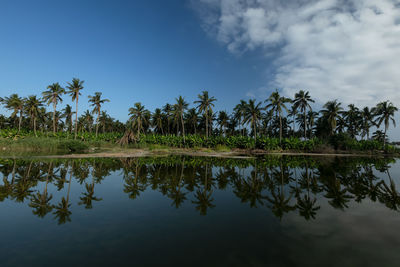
(74, 89)
(180, 107)
(96, 103)
(352, 118)
(205, 105)
(157, 120)
(32, 107)
(239, 110)
(302, 100)
(332, 112)
(252, 115)
(52, 96)
(16, 104)
(167, 109)
(223, 120)
(139, 116)
(366, 121)
(384, 112)
(67, 114)
(192, 119)
(277, 104)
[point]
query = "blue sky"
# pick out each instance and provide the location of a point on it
(132, 51)
(152, 51)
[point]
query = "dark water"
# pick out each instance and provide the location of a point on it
(185, 211)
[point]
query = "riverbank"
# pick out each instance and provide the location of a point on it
(67, 148)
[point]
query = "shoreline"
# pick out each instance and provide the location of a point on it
(238, 154)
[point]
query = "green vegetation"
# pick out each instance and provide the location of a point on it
(282, 124)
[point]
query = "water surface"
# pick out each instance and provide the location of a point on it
(188, 211)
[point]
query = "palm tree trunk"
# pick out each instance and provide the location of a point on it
(54, 117)
(76, 117)
(255, 133)
(280, 128)
(183, 128)
(384, 137)
(97, 122)
(20, 120)
(34, 126)
(206, 125)
(305, 124)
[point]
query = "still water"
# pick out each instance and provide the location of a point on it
(188, 211)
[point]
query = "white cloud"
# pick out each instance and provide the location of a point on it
(336, 49)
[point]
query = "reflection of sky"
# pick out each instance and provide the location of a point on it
(150, 229)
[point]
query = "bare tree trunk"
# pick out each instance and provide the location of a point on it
(34, 126)
(183, 129)
(305, 124)
(207, 125)
(97, 122)
(76, 116)
(54, 117)
(20, 120)
(280, 128)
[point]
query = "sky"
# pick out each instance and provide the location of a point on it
(153, 51)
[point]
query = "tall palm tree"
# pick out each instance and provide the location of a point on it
(96, 103)
(223, 121)
(139, 116)
(67, 114)
(53, 96)
(74, 90)
(32, 108)
(158, 120)
(277, 104)
(16, 105)
(192, 119)
(205, 105)
(302, 100)
(167, 109)
(332, 111)
(384, 112)
(239, 110)
(180, 107)
(366, 121)
(253, 115)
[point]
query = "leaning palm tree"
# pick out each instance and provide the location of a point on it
(384, 112)
(253, 115)
(67, 114)
(16, 104)
(180, 107)
(138, 116)
(277, 104)
(332, 111)
(74, 89)
(53, 96)
(205, 105)
(32, 108)
(302, 101)
(96, 103)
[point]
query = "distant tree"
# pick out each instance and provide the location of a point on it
(252, 115)
(223, 120)
(302, 101)
(16, 105)
(277, 104)
(332, 111)
(96, 103)
(32, 108)
(180, 107)
(138, 116)
(384, 112)
(205, 105)
(74, 90)
(67, 114)
(53, 96)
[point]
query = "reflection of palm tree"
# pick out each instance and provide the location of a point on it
(176, 194)
(280, 204)
(250, 189)
(203, 196)
(40, 202)
(22, 187)
(88, 196)
(389, 195)
(339, 197)
(62, 212)
(306, 204)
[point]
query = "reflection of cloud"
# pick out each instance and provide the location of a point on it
(344, 49)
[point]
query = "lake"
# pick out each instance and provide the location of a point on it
(192, 211)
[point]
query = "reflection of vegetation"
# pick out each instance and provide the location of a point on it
(282, 184)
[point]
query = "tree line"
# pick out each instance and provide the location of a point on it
(277, 116)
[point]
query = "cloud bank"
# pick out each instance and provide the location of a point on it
(336, 49)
